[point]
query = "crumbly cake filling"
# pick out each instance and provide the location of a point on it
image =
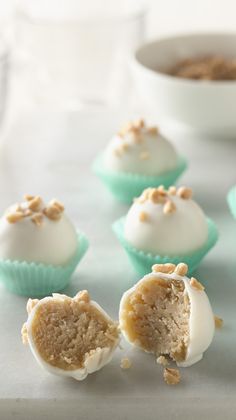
(66, 331)
(156, 317)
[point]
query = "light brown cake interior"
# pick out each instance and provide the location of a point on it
(156, 317)
(64, 331)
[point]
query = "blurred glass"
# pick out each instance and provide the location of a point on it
(76, 53)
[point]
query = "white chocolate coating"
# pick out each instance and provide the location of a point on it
(54, 242)
(160, 155)
(178, 233)
(201, 320)
(99, 358)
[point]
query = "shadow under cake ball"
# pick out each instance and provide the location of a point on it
(168, 314)
(39, 247)
(70, 336)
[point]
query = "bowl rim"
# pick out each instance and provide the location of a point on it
(209, 84)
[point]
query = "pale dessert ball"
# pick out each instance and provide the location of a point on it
(70, 336)
(166, 222)
(32, 231)
(139, 149)
(168, 314)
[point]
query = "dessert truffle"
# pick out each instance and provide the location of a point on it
(34, 232)
(139, 149)
(166, 222)
(168, 314)
(70, 336)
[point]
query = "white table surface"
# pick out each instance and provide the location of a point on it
(50, 154)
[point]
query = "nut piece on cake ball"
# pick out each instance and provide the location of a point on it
(167, 315)
(70, 336)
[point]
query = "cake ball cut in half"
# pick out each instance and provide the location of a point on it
(39, 247)
(140, 149)
(70, 336)
(168, 314)
(137, 157)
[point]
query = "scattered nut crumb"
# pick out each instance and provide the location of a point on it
(169, 207)
(28, 197)
(24, 334)
(163, 268)
(196, 284)
(57, 203)
(181, 269)
(139, 123)
(171, 376)
(143, 216)
(125, 363)
(218, 322)
(172, 190)
(52, 212)
(162, 360)
(185, 193)
(124, 147)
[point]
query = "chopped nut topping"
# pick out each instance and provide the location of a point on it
(59, 205)
(139, 123)
(163, 268)
(15, 217)
(171, 376)
(28, 197)
(117, 152)
(157, 196)
(185, 193)
(125, 363)
(124, 147)
(136, 137)
(162, 360)
(37, 218)
(161, 189)
(143, 216)
(152, 130)
(218, 322)
(83, 295)
(27, 213)
(35, 203)
(181, 269)
(31, 304)
(144, 155)
(196, 284)
(172, 190)
(169, 207)
(52, 212)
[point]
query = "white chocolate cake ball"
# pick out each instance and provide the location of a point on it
(168, 314)
(139, 149)
(70, 336)
(166, 222)
(34, 232)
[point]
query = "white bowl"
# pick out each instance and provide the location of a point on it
(207, 106)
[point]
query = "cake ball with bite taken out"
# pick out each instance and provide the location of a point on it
(168, 314)
(39, 246)
(138, 156)
(70, 336)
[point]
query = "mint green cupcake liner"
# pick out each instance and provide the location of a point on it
(36, 279)
(126, 186)
(143, 262)
(231, 198)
